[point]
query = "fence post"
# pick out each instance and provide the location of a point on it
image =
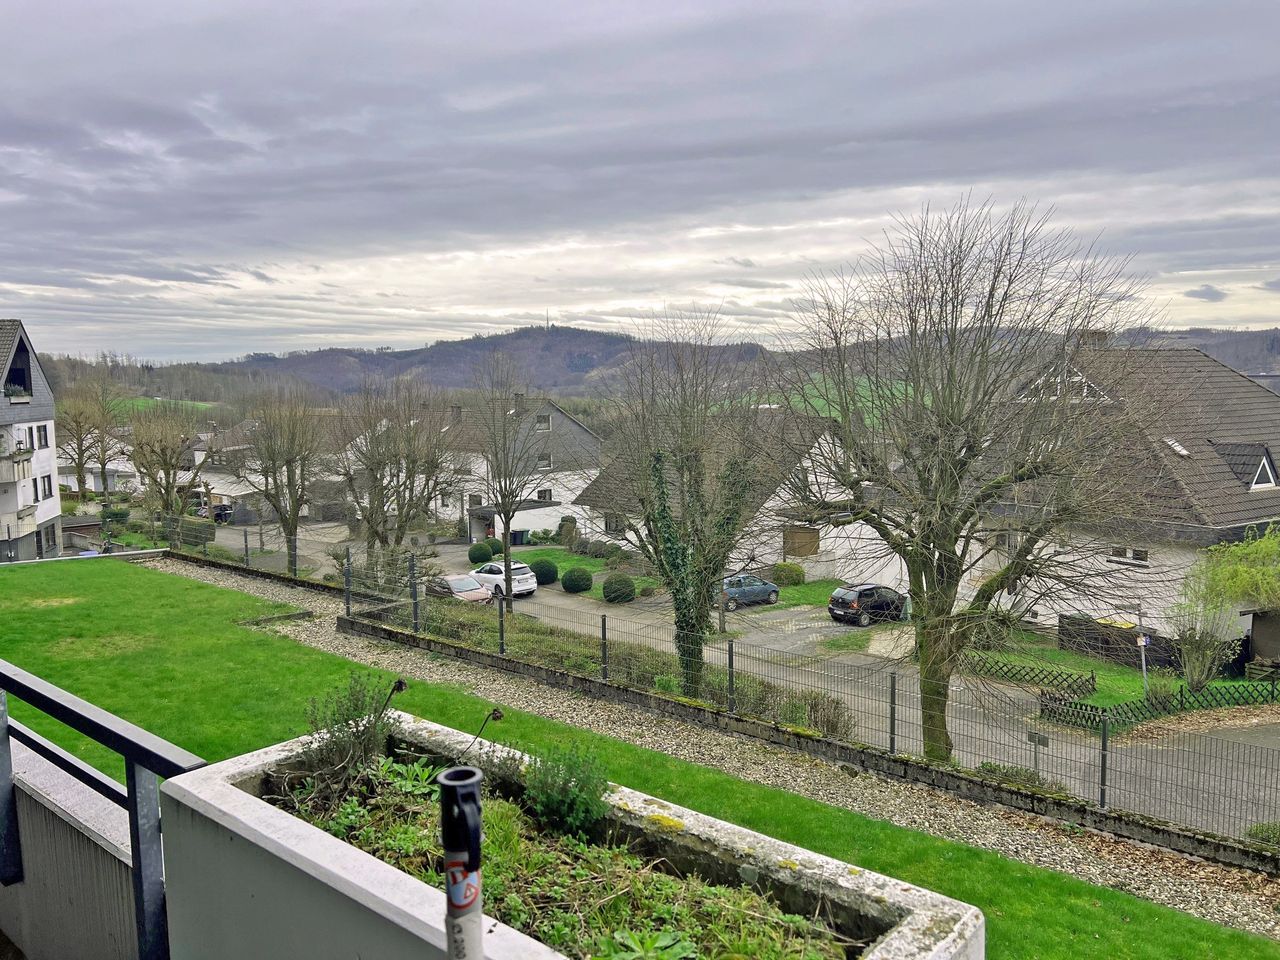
(413, 591)
(246, 548)
(604, 647)
(10, 847)
(893, 712)
(1273, 689)
(204, 549)
(502, 629)
(147, 872)
(346, 579)
(733, 697)
(1102, 760)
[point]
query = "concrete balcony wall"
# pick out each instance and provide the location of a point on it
(75, 901)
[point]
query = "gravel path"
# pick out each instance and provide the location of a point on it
(1236, 898)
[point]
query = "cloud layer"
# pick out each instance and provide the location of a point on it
(181, 181)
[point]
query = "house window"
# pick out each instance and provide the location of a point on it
(1132, 557)
(1265, 478)
(543, 422)
(42, 436)
(46, 486)
(35, 489)
(1120, 553)
(50, 537)
(444, 499)
(613, 524)
(544, 461)
(800, 541)
(1139, 556)
(544, 493)
(473, 499)
(31, 438)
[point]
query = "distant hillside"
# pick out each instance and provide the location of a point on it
(1249, 351)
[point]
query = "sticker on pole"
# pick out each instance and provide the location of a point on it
(462, 887)
(1144, 640)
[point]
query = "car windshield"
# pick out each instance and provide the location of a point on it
(519, 569)
(463, 584)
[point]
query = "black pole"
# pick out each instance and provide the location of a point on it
(604, 647)
(893, 713)
(733, 698)
(460, 831)
(1102, 760)
(502, 630)
(413, 591)
(346, 579)
(246, 547)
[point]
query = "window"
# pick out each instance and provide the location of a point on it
(1120, 553)
(544, 493)
(1132, 557)
(544, 461)
(1140, 556)
(473, 499)
(31, 438)
(543, 423)
(50, 537)
(35, 490)
(46, 486)
(800, 541)
(1265, 478)
(42, 436)
(444, 499)
(614, 524)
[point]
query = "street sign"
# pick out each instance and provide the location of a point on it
(1039, 739)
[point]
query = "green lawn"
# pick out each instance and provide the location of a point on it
(1116, 682)
(815, 593)
(166, 653)
(564, 560)
(138, 404)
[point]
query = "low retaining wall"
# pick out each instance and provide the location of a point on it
(1062, 808)
(199, 561)
(75, 901)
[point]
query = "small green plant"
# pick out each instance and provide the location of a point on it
(629, 945)
(666, 683)
(564, 789)
(1268, 832)
(1017, 776)
(545, 571)
(787, 574)
(576, 580)
(619, 588)
(648, 590)
(494, 545)
(479, 553)
(600, 549)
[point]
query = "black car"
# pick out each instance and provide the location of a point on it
(222, 512)
(863, 603)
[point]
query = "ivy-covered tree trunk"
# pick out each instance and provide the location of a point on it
(936, 666)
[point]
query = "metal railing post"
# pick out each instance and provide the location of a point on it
(346, 581)
(10, 843)
(246, 546)
(502, 630)
(148, 869)
(1102, 760)
(413, 592)
(893, 712)
(733, 695)
(204, 549)
(604, 647)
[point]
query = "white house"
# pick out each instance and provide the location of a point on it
(30, 509)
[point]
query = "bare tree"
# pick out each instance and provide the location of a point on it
(392, 453)
(107, 410)
(75, 429)
(162, 435)
(515, 453)
(978, 435)
(685, 466)
(286, 450)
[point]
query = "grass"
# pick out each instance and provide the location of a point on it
(139, 404)
(1117, 683)
(167, 654)
(815, 593)
(853, 641)
(565, 560)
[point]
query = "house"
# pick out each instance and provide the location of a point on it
(567, 458)
(30, 508)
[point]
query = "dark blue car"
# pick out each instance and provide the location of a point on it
(744, 588)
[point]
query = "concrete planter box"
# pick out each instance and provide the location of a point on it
(244, 876)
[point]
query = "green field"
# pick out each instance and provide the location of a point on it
(167, 653)
(138, 404)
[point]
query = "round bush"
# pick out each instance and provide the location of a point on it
(545, 571)
(619, 588)
(599, 549)
(480, 553)
(495, 546)
(788, 574)
(648, 590)
(576, 580)
(582, 546)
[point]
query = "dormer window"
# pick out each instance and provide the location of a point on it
(543, 422)
(1265, 478)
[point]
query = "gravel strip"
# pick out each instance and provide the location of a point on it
(1233, 897)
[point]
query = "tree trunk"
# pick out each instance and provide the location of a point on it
(692, 627)
(81, 481)
(506, 561)
(936, 666)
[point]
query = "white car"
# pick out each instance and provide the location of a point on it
(490, 575)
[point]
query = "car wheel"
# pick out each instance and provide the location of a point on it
(864, 619)
(731, 605)
(773, 597)
(497, 591)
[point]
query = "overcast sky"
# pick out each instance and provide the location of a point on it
(184, 180)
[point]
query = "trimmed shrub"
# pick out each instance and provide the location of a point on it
(787, 574)
(648, 590)
(576, 580)
(480, 553)
(582, 546)
(599, 549)
(115, 514)
(494, 545)
(545, 571)
(619, 588)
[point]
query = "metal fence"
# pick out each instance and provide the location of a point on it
(1204, 781)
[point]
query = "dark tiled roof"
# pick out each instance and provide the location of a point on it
(9, 331)
(1212, 422)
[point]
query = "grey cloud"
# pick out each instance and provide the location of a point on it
(1206, 291)
(753, 284)
(1272, 286)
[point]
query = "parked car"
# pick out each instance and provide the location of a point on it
(222, 512)
(864, 603)
(462, 586)
(744, 588)
(490, 575)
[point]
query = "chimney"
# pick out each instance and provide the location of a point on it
(1092, 339)
(455, 413)
(517, 401)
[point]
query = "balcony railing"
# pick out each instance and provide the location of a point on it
(147, 759)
